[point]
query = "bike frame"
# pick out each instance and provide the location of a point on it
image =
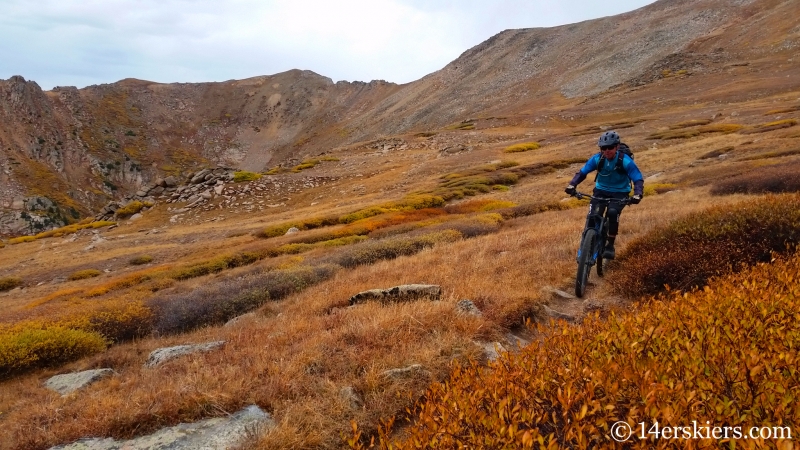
(600, 224)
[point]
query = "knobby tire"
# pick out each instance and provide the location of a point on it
(584, 260)
(601, 246)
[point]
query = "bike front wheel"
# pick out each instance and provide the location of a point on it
(601, 247)
(585, 261)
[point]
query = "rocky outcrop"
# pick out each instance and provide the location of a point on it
(196, 190)
(162, 355)
(402, 293)
(211, 434)
(70, 382)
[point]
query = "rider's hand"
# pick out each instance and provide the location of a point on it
(636, 199)
(570, 190)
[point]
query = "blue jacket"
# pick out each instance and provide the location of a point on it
(609, 179)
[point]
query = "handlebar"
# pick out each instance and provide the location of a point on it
(623, 201)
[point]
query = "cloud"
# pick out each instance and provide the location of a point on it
(81, 42)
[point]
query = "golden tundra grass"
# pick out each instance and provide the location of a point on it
(296, 363)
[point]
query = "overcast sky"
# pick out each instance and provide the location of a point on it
(83, 42)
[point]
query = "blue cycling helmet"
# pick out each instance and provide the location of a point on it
(608, 138)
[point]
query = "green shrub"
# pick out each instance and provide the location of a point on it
(658, 188)
(308, 164)
(306, 224)
(683, 133)
(690, 250)
(83, 274)
(8, 283)
(769, 155)
(21, 239)
(522, 147)
(276, 170)
(774, 179)
(690, 123)
(783, 110)
(215, 265)
(242, 175)
(534, 208)
(770, 126)
(468, 125)
(31, 348)
(716, 153)
(141, 259)
(131, 208)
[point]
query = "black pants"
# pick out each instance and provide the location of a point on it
(614, 209)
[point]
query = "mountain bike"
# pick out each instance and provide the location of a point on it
(593, 240)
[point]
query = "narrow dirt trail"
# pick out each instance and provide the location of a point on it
(562, 304)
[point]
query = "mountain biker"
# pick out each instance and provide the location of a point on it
(614, 178)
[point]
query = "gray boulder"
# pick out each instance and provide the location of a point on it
(171, 181)
(466, 307)
(350, 395)
(492, 350)
(557, 315)
(199, 176)
(70, 382)
(162, 355)
(402, 293)
(211, 434)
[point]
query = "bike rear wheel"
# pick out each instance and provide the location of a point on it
(584, 261)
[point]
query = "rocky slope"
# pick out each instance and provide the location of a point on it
(67, 152)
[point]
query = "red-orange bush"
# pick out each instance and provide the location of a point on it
(688, 251)
(775, 179)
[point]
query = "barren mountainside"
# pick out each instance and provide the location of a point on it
(65, 153)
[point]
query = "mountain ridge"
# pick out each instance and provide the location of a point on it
(104, 142)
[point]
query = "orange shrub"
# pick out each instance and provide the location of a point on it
(62, 293)
(726, 356)
(127, 281)
(478, 205)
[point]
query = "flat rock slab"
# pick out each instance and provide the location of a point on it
(402, 293)
(211, 434)
(559, 315)
(557, 293)
(162, 355)
(406, 371)
(70, 382)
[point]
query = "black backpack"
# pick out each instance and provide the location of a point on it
(624, 150)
